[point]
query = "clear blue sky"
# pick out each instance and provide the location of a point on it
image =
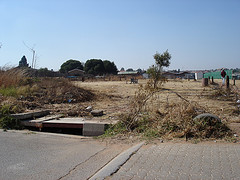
(199, 34)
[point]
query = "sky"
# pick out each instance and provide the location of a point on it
(199, 34)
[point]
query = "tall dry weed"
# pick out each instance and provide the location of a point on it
(10, 77)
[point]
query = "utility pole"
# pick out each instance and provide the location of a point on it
(34, 53)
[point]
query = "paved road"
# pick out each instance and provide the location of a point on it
(43, 156)
(183, 161)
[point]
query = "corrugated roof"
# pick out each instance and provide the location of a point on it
(79, 70)
(127, 73)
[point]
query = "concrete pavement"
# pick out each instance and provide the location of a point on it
(25, 155)
(182, 161)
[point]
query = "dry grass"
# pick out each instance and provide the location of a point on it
(179, 113)
(191, 90)
(10, 77)
(168, 112)
(179, 122)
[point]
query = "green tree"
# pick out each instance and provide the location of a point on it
(129, 69)
(44, 72)
(23, 62)
(140, 71)
(94, 66)
(110, 67)
(70, 65)
(122, 69)
(155, 71)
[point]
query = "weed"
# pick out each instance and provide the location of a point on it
(115, 129)
(10, 77)
(7, 122)
(17, 91)
(9, 91)
(151, 133)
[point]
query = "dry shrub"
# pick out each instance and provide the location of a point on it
(57, 90)
(176, 120)
(232, 95)
(221, 94)
(10, 77)
(179, 122)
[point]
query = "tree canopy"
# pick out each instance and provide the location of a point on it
(99, 67)
(155, 71)
(44, 72)
(70, 65)
(110, 67)
(94, 66)
(122, 69)
(23, 62)
(129, 69)
(162, 60)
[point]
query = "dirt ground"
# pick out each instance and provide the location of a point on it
(113, 98)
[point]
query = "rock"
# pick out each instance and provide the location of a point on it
(97, 112)
(207, 117)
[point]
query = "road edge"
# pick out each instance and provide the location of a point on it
(116, 163)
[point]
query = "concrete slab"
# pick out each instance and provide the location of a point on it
(30, 115)
(67, 120)
(88, 127)
(93, 129)
(64, 123)
(38, 122)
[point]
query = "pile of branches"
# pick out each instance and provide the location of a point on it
(56, 91)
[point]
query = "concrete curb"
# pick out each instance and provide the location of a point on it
(116, 163)
(30, 115)
(28, 132)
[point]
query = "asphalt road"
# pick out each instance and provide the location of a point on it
(32, 156)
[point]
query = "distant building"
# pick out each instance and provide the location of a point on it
(128, 73)
(175, 75)
(198, 75)
(145, 75)
(76, 72)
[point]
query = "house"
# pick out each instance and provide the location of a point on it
(76, 72)
(174, 75)
(128, 73)
(198, 75)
